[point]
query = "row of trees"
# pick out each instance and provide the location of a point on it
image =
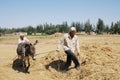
(99, 28)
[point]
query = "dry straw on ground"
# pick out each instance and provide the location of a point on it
(99, 58)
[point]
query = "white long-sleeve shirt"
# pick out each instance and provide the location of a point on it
(23, 41)
(69, 43)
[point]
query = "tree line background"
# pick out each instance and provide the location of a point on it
(49, 29)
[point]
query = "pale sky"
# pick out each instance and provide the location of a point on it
(22, 13)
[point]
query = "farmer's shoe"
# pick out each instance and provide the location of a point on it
(77, 67)
(34, 58)
(64, 71)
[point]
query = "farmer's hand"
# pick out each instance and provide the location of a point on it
(58, 50)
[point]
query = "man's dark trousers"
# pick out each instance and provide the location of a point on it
(71, 57)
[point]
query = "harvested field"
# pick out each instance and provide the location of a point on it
(99, 58)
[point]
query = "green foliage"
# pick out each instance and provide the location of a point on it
(115, 28)
(88, 27)
(30, 30)
(107, 30)
(39, 28)
(100, 26)
(49, 29)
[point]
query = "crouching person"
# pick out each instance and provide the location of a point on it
(71, 43)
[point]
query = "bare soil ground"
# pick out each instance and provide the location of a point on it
(99, 58)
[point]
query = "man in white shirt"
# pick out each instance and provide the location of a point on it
(23, 39)
(21, 45)
(71, 43)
